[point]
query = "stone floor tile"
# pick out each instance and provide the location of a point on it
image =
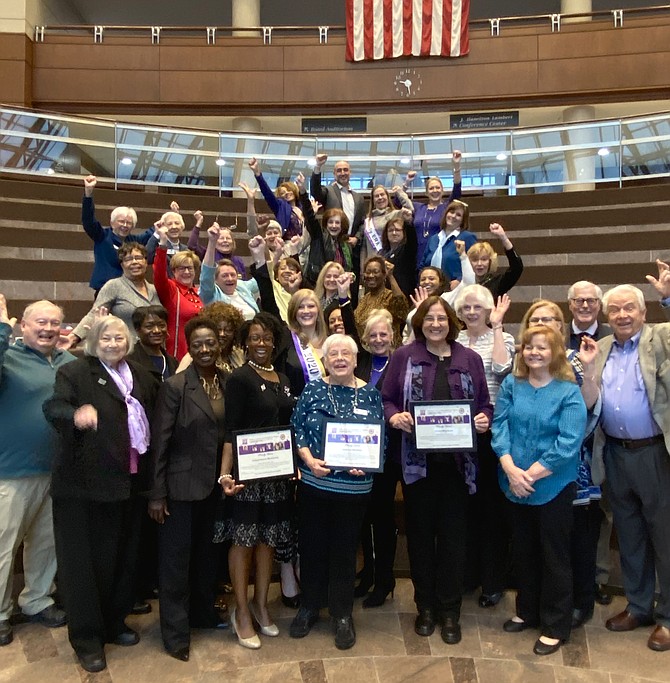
(60, 669)
(414, 645)
(463, 670)
(626, 653)
(37, 642)
(313, 671)
(357, 670)
(417, 669)
(281, 672)
(576, 650)
(573, 675)
(625, 678)
(497, 643)
(513, 671)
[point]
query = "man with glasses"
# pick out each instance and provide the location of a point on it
(108, 240)
(584, 303)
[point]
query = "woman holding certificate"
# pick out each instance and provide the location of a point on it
(538, 429)
(437, 455)
(339, 430)
(257, 397)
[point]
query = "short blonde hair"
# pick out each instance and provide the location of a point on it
(180, 258)
(479, 249)
(100, 326)
(541, 303)
(376, 316)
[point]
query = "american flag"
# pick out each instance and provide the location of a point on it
(384, 29)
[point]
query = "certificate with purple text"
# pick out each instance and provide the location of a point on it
(443, 426)
(349, 445)
(262, 454)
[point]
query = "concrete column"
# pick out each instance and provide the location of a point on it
(13, 16)
(579, 164)
(246, 13)
(575, 7)
(241, 125)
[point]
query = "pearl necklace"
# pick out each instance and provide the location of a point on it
(269, 368)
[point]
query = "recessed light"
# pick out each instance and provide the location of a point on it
(603, 152)
(501, 157)
(126, 161)
(220, 162)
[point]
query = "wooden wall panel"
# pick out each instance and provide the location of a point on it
(16, 57)
(580, 63)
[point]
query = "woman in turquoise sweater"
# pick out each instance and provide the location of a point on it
(538, 427)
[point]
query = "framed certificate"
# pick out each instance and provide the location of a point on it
(351, 445)
(264, 454)
(444, 426)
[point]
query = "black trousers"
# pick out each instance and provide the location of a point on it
(542, 537)
(187, 569)
(436, 525)
(489, 531)
(96, 550)
(380, 531)
(585, 535)
(328, 533)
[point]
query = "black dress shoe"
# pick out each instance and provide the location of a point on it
(182, 653)
(601, 595)
(50, 616)
(345, 634)
(581, 616)
(541, 648)
(127, 638)
(292, 603)
(512, 626)
(424, 624)
(451, 631)
(141, 607)
(490, 599)
(303, 622)
(93, 663)
(6, 632)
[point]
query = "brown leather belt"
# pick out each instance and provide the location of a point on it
(630, 444)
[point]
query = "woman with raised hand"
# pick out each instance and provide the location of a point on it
(106, 241)
(441, 249)
(435, 367)
(326, 284)
(186, 452)
(428, 217)
(328, 239)
(380, 212)
(283, 204)
(178, 294)
(376, 274)
(121, 295)
(538, 428)
(331, 503)
(174, 223)
(220, 281)
(399, 248)
(488, 527)
(259, 524)
(484, 261)
(101, 408)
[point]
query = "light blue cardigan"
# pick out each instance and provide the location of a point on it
(210, 291)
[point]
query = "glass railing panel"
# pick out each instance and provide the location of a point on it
(645, 145)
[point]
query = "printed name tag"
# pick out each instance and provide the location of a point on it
(360, 411)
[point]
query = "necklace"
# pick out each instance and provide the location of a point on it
(383, 367)
(212, 389)
(269, 368)
(342, 410)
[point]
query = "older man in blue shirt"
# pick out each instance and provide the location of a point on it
(634, 444)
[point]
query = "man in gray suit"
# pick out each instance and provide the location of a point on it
(633, 444)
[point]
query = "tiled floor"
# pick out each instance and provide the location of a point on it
(387, 651)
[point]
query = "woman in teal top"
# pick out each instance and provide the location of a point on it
(538, 427)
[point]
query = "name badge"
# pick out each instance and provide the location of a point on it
(102, 381)
(360, 411)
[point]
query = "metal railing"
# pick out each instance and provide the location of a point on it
(520, 160)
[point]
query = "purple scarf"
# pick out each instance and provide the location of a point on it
(138, 425)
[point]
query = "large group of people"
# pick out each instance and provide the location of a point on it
(379, 329)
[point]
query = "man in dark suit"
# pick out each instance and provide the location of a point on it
(584, 302)
(339, 195)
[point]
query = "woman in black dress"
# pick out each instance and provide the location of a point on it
(257, 396)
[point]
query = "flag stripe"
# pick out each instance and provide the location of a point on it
(384, 29)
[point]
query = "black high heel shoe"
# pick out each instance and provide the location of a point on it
(364, 585)
(379, 594)
(293, 602)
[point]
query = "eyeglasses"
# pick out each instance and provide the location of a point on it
(546, 320)
(257, 339)
(137, 257)
(579, 301)
(343, 353)
(185, 268)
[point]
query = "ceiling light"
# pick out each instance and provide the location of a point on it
(501, 157)
(220, 162)
(126, 161)
(603, 152)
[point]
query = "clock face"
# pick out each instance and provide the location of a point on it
(407, 82)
